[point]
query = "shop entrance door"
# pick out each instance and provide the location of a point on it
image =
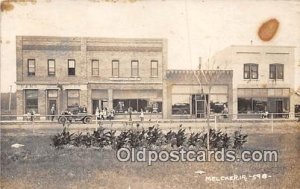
(50, 104)
(101, 104)
(276, 106)
(200, 109)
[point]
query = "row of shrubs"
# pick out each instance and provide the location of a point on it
(151, 138)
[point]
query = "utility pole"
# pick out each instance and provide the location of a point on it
(9, 103)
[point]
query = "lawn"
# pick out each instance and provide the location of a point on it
(40, 165)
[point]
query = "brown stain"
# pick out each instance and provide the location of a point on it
(268, 29)
(7, 5)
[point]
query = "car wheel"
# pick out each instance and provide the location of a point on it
(62, 120)
(87, 120)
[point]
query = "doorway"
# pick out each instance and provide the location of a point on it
(101, 104)
(200, 109)
(50, 104)
(198, 105)
(276, 106)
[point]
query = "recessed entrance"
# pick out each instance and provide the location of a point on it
(101, 104)
(200, 109)
(198, 105)
(50, 104)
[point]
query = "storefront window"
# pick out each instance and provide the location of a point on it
(244, 105)
(31, 101)
(217, 103)
(73, 98)
(122, 105)
(180, 104)
(297, 110)
(259, 105)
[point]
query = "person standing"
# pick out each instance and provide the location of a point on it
(112, 113)
(52, 112)
(101, 114)
(97, 112)
(142, 115)
(84, 109)
(130, 113)
(225, 111)
(105, 113)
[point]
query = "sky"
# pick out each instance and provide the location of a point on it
(194, 28)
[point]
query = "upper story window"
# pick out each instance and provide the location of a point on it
(95, 67)
(154, 68)
(51, 67)
(250, 71)
(115, 68)
(276, 71)
(71, 67)
(31, 67)
(134, 68)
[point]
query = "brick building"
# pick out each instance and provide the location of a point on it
(264, 79)
(91, 72)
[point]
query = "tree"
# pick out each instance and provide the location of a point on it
(209, 77)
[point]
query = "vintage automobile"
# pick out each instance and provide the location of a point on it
(74, 114)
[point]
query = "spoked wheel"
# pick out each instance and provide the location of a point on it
(62, 119)
(87, 120)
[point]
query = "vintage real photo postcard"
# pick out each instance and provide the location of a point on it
(150, 94)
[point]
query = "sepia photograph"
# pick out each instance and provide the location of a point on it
(149, 94)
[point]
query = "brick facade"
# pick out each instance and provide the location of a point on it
(83, 51)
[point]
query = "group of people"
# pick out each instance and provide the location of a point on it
(130, 114)
(103, 114)
(31, 115)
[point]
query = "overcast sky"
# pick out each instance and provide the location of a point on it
(210, 26)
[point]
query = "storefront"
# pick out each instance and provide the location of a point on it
(121, 100)
(190, 93)
(252, 103)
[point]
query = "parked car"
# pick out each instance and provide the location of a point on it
(74, 114)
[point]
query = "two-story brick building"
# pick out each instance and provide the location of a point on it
(263, 79)
(91, 72)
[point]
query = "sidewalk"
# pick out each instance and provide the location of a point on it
(188, 120)
(251, 127)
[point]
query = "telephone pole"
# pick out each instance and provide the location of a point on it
(9, 103)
